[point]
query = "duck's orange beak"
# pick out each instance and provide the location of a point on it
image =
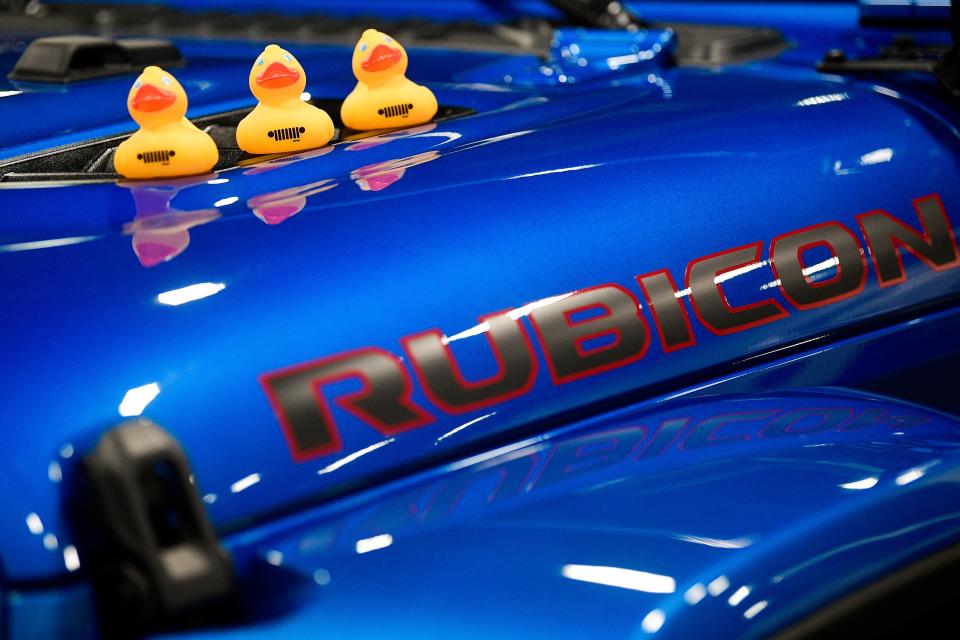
(382, 57)
(277, 76)
(150, 97)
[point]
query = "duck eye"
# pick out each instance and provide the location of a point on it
(363, 47)
(288, 57)
(388, 39)
(259, 61)
(165, 80)
(137, 84)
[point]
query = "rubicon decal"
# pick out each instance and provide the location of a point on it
(600, 328)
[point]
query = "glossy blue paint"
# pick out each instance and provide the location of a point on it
(483, 10)
(721, 514)
(828, 17)
(581, 55)
(549, 188)
(57, 612)
(851, 362)
(367, 258)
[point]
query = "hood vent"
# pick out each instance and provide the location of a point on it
(92, 160)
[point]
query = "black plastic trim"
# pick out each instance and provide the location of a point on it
(144, 536)
(61, 59)
(917, 601)
(708, 45)
(92, 160)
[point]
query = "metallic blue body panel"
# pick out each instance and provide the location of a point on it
(363, 268)
(63, 611)
(551, 187)
(624, 526)
(481, 10)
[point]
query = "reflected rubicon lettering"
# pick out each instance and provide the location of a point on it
(658, 442)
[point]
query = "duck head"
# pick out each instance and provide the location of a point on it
(378, 57)
(277, 76)
(156, 98)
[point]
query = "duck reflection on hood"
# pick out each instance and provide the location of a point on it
(161, 232)
(278, 206)
(379, 176)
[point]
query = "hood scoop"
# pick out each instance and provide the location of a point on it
(92, 160)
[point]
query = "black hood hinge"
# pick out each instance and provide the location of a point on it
(146, 542)
(943, 62)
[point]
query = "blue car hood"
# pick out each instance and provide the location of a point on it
(174, 299)
(628, 525)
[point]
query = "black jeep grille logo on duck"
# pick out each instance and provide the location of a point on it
(162, 157)
(287, 133)
(402, 110)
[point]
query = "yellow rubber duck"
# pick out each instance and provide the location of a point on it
(384, 98)
(167, 144)
(282, 122)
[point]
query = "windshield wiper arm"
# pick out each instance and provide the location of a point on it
(604, 14)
